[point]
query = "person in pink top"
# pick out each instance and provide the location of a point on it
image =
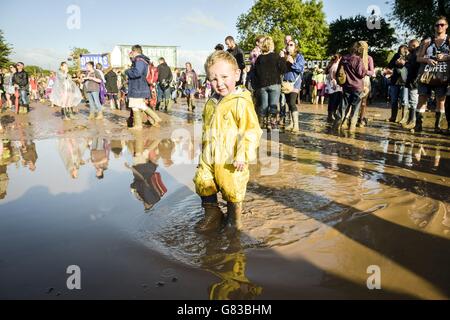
(33, 88)
(256, 52)
(334, 90)
(362, 122)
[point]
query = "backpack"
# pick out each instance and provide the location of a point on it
(341, 76)
(152, 72)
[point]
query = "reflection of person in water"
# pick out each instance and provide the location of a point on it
(147, 185)
(229, 265)
(100, 156)
(117, 148)
(165, 150)
(71, 153)
(29, 154)
(4, 179)
(184, 151)
(7, 155)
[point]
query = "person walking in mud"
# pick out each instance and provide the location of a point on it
(296, 65)
(21, 83)
(370, 67)
(165, 78)
(412, 67)
(189, 82)
(112, 88)
(397, 69)
(355, 71)
(268, 70)
(9, 87)
(91, 84)
(65, 93)
(433, 52)
(334, 90)
(139, 90)
(231, 135)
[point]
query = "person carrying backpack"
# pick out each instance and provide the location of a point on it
(138, 88)
(350, 75)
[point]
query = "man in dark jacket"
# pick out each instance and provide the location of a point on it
(138, 88)
(412, 67)
(238, 54)
(398, 80)
(20, 81)
(165, 78)
(355, 72)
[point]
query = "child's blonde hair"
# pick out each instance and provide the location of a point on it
(220, 56)
(267, 45)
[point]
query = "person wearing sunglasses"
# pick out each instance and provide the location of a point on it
(434, 51)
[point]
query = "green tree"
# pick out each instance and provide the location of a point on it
(35, 70)
(74, 57)
(304, 20)
(5, 51)
(419, 15)
(344, 32)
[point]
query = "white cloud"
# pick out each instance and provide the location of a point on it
(198, 17)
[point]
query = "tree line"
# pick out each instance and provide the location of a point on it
(306, 21)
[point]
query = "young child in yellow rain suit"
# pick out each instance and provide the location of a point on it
(231, 135)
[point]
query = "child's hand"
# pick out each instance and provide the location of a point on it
(239, 165)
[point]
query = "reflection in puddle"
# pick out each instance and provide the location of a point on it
(337, 202)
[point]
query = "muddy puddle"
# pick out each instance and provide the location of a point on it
(324, 210)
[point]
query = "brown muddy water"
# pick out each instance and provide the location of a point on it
(324, 210)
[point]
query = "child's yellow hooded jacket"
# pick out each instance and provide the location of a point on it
(231, 133)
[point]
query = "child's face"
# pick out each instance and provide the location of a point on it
(223, 77)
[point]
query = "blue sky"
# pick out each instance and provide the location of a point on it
(39, 33)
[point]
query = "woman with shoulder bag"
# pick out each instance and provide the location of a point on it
(433, 53)
(292, 82)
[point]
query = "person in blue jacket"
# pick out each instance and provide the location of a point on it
(138, 88)
(296, 66)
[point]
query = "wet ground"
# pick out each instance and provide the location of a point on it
(323, 207)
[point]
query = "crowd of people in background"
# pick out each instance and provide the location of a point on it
(279, 82)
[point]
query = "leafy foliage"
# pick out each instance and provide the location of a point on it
(304, 20)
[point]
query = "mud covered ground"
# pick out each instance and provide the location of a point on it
(325, 209)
